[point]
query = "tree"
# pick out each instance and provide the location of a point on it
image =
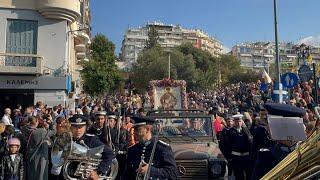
(153, 37)
(197, 67)
(152, 64)
(246, 76)
(203, 59)
(101, 74)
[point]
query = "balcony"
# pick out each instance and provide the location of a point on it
(60, 9)
(20, 63)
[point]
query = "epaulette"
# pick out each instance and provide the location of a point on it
(164, 143)
(90, 135)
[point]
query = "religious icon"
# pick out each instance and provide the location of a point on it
(167, 100)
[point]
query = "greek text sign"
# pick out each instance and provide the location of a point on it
(33, 82)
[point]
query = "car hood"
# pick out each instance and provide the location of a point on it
(195, 151)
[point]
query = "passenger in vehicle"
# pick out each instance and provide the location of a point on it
(196, 129)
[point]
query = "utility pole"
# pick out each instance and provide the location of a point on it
(276, 41)
(278, 84)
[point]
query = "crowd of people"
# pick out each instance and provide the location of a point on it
(242, 128)
(27, 133)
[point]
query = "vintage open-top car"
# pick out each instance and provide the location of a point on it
(192, 138)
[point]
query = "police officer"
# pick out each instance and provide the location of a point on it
(119, 135)
(120, 140)
(224, 144)
(78, 129)
(261, 136)
(98, 127)
(240, 141)
(271, 154)
(163, 164)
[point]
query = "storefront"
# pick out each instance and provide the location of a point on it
(27, 90)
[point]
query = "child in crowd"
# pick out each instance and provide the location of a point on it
(12, 162)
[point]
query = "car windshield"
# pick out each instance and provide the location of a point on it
(186, 126)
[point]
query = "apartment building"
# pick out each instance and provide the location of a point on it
(169, 36)
(262, 54)
(41, 44)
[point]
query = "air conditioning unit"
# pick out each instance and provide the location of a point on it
(47, 72)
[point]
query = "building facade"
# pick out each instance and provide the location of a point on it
(262, 54)
(170, 36)
(41, 44)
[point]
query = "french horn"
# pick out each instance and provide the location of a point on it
(77, 161)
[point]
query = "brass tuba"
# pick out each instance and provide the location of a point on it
(77, 161)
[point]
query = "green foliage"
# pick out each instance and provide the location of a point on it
(153, 38)
(197, 67)
(203, 59)
(100, 74)
(246, 76)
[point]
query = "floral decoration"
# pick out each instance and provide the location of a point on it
(169, 83)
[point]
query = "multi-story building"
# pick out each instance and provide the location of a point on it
(170, 36)
(262, 54)
(41, 43)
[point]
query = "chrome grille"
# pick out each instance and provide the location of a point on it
(194, 169)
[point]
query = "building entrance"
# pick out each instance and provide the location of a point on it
(11, 98)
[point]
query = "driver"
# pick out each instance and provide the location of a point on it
(196, 129)
(185, 126)
(78, 129)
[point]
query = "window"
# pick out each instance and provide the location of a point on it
(21, 39)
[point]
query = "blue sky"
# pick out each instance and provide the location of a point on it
(230, 21)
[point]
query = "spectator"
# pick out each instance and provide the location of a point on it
(3, 139)
(37, 150)
(6, 119)
(12, 164)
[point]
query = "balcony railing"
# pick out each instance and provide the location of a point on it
(11, 63)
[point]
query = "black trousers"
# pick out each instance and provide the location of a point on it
(241, 167)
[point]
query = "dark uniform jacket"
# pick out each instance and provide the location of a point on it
(163, 164)
(224, 143)
(93, 141)
(261, 139)
(12, 170)
(99, 132)
(122, 145)
(239, 141)
(268, 158)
